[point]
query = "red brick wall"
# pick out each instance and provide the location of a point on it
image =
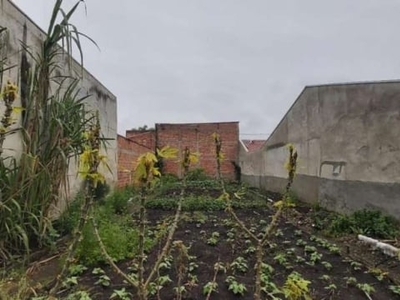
(198, 138)
(145, 138)
(128, 153)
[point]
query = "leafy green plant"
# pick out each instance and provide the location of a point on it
(213, 239)
(268, 287)
(239, 264)
(77, 269)
(166, 262)
(395, 289)
(191, 203)
(298, 233)
(250, 249)
(69, 218)
(281, 258)
(351, 281)
(378, 273)
(367, 222)
(121, 294)
(355, 265)
(120, 239)
(236, 287)
(103, 280)
(301, 242)
(210, 287)
(197, 174)
(325, 277)
(310, 249)
(70, 281)
(315, 257)
(366, 288)
(331, 288)
(296, 287)
(327, 265)
(118, 201)
(79, 295)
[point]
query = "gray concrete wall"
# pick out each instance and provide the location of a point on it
(21, 28)
(347, 138)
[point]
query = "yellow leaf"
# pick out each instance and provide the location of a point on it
(194, 158)
(156, 172)
(167, 152)
(17, 109)
(215, 136)
(140, 171)
(149, 158)
(224, 196)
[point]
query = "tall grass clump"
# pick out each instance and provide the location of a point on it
(51, 123)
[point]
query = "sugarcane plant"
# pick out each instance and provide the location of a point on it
(51, 122)
(280, 205)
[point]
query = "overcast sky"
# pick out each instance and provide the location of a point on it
(229, 60)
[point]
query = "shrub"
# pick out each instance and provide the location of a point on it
(117, 202)
(68, 220)
(168, 179)
(101, 191)
(367, 222)
(376, 224)
(200, 203)
(119, 236)
(190, 203)
(197, 174)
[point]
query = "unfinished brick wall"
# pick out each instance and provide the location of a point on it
(198, 138)
(128, 153)
(144, 137)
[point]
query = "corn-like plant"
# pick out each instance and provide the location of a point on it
(53, 119)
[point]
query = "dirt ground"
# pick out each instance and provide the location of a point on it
(295, 247)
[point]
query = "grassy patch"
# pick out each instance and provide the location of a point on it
(367, 222)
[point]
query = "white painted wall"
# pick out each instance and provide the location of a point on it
(101, 98)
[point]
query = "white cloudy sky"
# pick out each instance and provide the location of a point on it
(229, 60)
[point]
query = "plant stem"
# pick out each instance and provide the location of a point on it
(93, 143)
(174, 226)
(270, 228)
(259, 256)
(240, 223)
(107, 256)
(214, 280)
(142, 227)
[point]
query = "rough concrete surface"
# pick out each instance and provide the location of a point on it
(347, 138)
(22, 30)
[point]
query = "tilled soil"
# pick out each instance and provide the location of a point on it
(291, 249)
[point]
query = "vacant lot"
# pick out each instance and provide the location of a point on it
(330, 268)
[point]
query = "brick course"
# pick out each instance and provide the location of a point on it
(128, 153)
(196, 136)
(143, 137)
